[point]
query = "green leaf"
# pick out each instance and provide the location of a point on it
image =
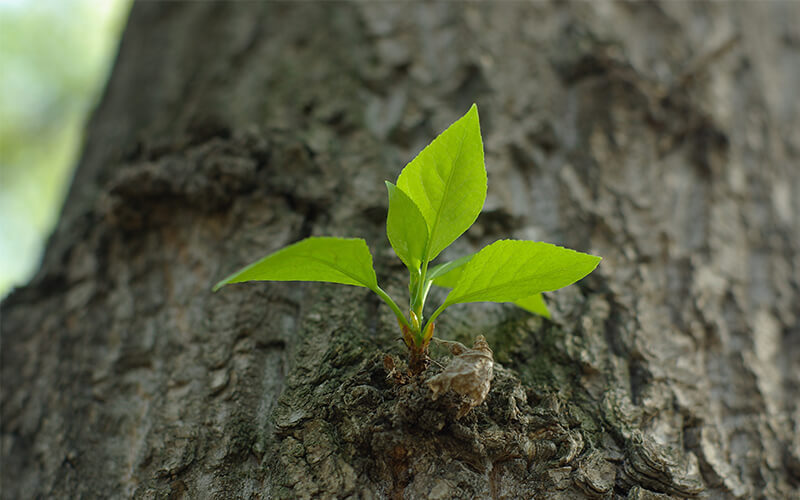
(333, 260)
(406, 228)
(535, 304)
(447, 181)
(447, 275)
(510, 270)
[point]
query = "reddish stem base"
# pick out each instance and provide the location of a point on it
(418, 360)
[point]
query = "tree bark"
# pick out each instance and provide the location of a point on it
(661, 136)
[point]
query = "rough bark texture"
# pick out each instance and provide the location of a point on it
(662, 136)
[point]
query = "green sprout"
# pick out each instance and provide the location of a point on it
(437, 197)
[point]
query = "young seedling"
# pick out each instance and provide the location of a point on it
(437, 197)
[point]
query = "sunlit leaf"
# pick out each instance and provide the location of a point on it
(447, 181)
(333, 260)
(406, 228)
(510, 270)
(447, 275)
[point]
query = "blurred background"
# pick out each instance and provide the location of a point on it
(55, 56)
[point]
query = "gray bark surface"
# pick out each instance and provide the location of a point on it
(662, 136)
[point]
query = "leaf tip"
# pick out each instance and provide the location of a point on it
(473, 111)
(390, 188)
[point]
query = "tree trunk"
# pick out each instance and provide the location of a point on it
(662, 136)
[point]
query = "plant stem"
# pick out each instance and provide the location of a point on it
(399, 313)
(421, 288)
(426, 290)
(419, 304)
(436, 313)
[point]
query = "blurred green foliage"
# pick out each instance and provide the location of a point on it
(54, 60)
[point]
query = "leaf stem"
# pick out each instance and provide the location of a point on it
(418, 302)
(421, 288)
(391, 303)
(426, 290)
(436, 313)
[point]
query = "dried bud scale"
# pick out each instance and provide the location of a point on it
(469, 374)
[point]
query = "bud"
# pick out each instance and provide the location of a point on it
(408, 338)
(428, 335)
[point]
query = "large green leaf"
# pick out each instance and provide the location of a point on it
(406, 228)
(447, 181)
(447, 275)
(510, 270)
(333, 260)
